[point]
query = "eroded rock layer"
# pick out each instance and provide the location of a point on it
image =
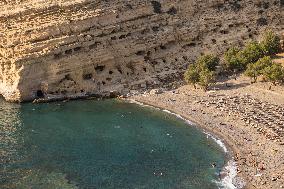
(71, 48)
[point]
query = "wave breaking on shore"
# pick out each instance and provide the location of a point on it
(230, 169)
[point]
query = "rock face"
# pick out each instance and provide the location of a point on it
(67, 48)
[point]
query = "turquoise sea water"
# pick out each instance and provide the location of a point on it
(102, 145)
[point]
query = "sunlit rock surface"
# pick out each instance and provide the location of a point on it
(67, 48)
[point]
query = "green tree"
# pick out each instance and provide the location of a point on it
(256, 69)
(263, 63)
(209, 62)
(203, 72)
(206, 78)
(270, 43)
(192, 75)
(252, 72)
(274, 73)
(251, 53)
(232, 60)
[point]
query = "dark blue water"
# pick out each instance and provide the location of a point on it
(102, 145)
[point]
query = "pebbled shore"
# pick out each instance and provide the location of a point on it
(248, 117)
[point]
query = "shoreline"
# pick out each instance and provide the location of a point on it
(229, 151)
(248, 118)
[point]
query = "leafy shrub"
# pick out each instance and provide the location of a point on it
(274, 73)
(250, 54)
(252, 72)
(236, 59)
(203, 72)
(206, 78)
(256, 69)
(209, 62)
(192, 75)
(232, 60)
(270, 43)
(263, 63)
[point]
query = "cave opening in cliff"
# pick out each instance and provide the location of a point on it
(39, 94)
(87, 76)
(172, 11)
(99, 68)
(157, 7)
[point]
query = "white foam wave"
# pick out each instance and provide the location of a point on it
(230, 170)
(218, 141)
(179, 116)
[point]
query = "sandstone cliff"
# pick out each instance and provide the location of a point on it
(54, 49)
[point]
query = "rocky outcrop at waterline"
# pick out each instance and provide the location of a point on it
(69, 48)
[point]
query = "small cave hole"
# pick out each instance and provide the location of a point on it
(145, 70)
(110, 72)
(146, 58)
(155, 28)
(224, 32)
(119, 70)
(108, 79)
(39, 94)
(68, 51)
(266, 5)
(77, 49)
(192, 44)
(95, 45)
(67, 77)
(154, 62)
(129, 6)
(99, 68)
(157, 7)
(163, 47)
(140, 53)
(122, 36)
(87, 76)
(64, 92)
(58, 55)
(103, 82)
(172, 11)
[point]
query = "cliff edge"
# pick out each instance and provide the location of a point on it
(60, 49)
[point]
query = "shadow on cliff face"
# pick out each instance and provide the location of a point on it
(1, 97)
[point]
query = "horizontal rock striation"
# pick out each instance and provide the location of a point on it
(68, 48)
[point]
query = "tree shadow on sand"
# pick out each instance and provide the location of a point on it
(229, 83)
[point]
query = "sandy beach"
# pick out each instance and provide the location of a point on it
(249, 118)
